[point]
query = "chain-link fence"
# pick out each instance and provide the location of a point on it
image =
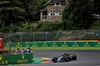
(53, 35)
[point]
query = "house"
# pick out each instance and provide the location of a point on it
(96, 16)
(53, 10)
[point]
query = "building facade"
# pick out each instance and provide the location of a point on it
(53, 10)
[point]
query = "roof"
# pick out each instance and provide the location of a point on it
(43, 10)
(51, 2)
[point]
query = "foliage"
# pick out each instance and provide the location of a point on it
(22, 14)
(97, 6)
(78, 14)
(13, 11)
(11, 29)
(31, 27)
(96, 25)
(28, 27)
(49, 26)
(10, 11)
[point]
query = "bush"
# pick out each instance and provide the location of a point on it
(49, 26)
(96, 25)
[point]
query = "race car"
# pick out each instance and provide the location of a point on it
(65, 58)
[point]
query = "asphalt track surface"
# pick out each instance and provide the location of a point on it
(85, 57)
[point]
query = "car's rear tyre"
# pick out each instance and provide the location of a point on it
(54, 59)
(74, 57)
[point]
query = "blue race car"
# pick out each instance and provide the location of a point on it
(65, 58)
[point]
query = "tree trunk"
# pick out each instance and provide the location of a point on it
(3, 24)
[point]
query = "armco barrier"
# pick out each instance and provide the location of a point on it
(56, 44)
(16, 58)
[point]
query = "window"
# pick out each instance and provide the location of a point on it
(44, 16)
(56, 14)
(57, 4)
(52, 13)
(60, 12)
(96, 16)
(52, 10)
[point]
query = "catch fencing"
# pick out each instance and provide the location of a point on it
(53, 35)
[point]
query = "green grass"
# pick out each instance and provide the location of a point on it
(56, 48)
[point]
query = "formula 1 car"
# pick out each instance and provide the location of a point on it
(65, 58)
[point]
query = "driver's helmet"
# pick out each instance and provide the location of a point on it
(65, 53)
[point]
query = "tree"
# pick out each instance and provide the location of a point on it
(38, 7)
(10, 11)
(32, 8)
(97, 6)
(78, 14)
(28, 6)
(15, 11)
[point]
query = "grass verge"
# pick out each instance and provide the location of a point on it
(56, 48)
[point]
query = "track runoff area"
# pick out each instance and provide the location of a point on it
(39, 59)
(84, 58)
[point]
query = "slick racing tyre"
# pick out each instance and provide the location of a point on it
(54, 59)
(74, 57)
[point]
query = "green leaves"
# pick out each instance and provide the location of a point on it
(11, 11)
(4, 2)
(78, 14)
(97, 6)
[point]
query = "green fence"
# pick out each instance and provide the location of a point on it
(16, 58)
(56, 44)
